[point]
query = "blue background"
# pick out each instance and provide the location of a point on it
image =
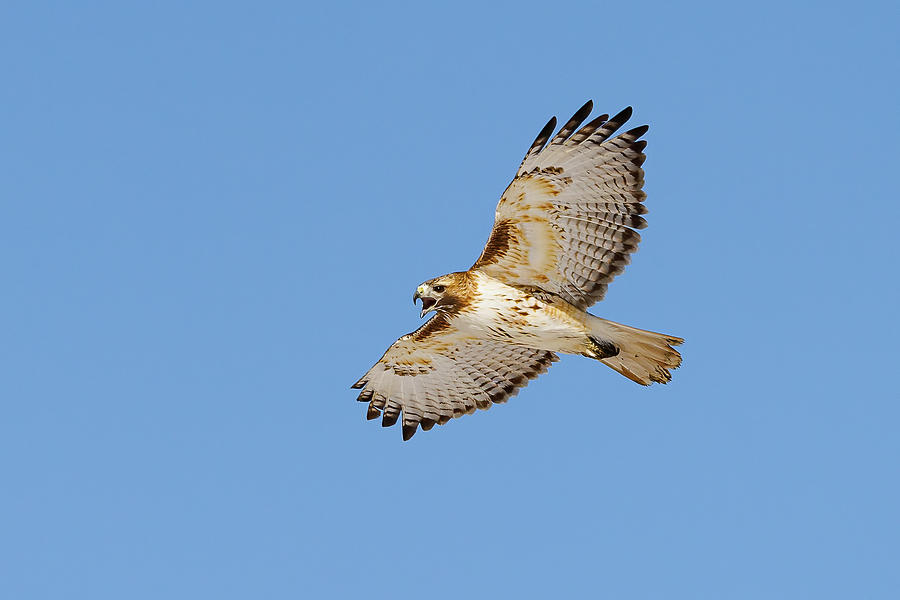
(214, 215)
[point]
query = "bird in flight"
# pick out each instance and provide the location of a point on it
(564, 228)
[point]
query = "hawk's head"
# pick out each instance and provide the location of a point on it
(446, 293)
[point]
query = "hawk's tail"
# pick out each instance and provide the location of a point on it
(644, 356)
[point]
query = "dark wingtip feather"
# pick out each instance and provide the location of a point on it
(547, 130)
(582, 113)
(358, 384)
(409, 430)
(613, 124)
(637, 132)
(572, 124)
(388, 419)
(372, 413)
(538, 144)
(623, 116)
(586, 131)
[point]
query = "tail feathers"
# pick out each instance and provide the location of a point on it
(644, 356)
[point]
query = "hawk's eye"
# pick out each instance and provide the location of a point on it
(439, 288)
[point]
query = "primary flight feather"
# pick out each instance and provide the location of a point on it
(564, 228)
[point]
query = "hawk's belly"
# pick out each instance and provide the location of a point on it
(506, 314)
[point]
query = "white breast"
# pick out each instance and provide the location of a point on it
(503, 313)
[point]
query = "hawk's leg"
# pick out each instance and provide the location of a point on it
(600, 349)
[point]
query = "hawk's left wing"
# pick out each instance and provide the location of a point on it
(437, 373)
(566, 222)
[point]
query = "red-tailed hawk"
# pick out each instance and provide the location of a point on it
(564, 228)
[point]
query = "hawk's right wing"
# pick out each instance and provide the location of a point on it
(436, 374)
(566, 224)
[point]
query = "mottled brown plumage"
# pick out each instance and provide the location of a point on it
(564, 228)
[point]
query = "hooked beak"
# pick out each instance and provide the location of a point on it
(427, 303)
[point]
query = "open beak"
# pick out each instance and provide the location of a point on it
(427, 303)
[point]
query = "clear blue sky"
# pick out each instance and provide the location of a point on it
(212, 219)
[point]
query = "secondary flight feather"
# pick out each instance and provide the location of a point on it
(564, 228)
